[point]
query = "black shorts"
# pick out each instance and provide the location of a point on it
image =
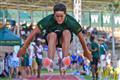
(95, 61)
(73, 62)
(59, 35)
(39, 61)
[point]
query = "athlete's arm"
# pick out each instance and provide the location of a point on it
(30, 37)
(87, 53)
(27, 41)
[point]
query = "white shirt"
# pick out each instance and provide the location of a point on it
(39, 50)
(31, 48)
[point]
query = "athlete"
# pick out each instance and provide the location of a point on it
(59, 28)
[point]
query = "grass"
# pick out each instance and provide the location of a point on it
(87, 77)
(6, 78)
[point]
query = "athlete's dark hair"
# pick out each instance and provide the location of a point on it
(59, 7)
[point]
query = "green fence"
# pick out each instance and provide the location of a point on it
(94, 19)
(100, 19)
(22, 15)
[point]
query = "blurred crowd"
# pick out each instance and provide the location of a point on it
(27, 65)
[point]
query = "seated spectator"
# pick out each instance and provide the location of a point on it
(80, 59)
(86, 67)
(73, 61)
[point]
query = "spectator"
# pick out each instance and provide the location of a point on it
(95, 56)
(25, 64)
(31, 54)
(74, 61)
(39, 56)
(14, 64)
(103, 52)
(6, 64)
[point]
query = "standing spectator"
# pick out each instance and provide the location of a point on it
(103, 53)
(25, 64)
(95, 56)
(6, 64)
(14, 64)
(104, 43)
(31, 54)
(34, 66)
(39, 56)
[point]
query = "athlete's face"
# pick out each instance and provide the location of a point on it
(59, 16)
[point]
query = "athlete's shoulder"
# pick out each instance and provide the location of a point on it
(46, 20)
(69, 17)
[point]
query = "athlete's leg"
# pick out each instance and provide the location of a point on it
(52, 42)
(66, 38)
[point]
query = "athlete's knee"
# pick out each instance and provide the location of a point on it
(52, 36)
(66, 34)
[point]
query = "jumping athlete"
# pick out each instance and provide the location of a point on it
(59, 28)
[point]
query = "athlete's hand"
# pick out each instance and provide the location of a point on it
(88, 55)
(21, 52)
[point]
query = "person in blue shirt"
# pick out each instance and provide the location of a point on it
(73, 58)
(80, 59)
